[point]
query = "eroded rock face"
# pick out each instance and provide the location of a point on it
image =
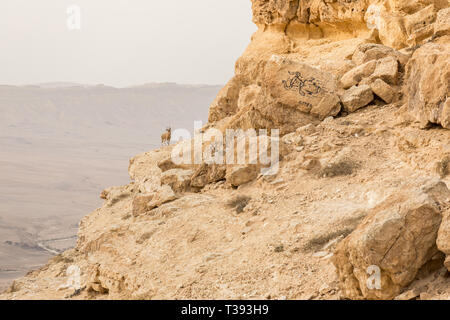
(419, 25)
(398, 237)
(288, 94)
(272, 12)
(225, 103)
(383, 90)
(398, 22)
(304, 43)
(428, 84)
(306, 57)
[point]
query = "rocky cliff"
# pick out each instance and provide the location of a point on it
(359, 207)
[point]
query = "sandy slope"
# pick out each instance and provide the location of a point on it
(60, 146)
(279, 247)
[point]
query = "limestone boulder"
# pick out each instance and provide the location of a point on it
(354, 76)
(329, 106)
(163, 195)
(419, 25)
(299, 86)
(387, 70)
(248, 96)
(225, 103)
(178, 179)
(428, 84)
(442, 24)
(370, 51)
(383, 90)
(145, 202)
(140, 203)
(240, 174)
(392, 243)
(357, 97)
(389, 25)
(206, 174)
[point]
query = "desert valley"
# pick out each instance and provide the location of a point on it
(61, 144)
(355, 207)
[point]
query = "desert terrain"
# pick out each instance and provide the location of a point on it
(61, 144)
(356, 204)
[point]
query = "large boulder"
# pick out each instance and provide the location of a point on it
(354, 76)
(140, 203)
(225, 103)
(299, 85)
(248, 96)
(442, 24)
(428, 84)
(357, 97)
(284, 94)
(145, 202)
(383, 90)
(241, 174)
(206, 174)
(178, 179)
(397, 238)
(163, 195)
(387, 70)
(328, 106)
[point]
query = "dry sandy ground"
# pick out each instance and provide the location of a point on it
(279, 246)
(60, 146)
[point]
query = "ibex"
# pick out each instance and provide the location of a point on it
(165, 137)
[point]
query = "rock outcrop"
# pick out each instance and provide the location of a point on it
(398, 237)
(427, 88)
(286, 79)
(358, 182)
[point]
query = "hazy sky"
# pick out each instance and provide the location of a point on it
(122, 42)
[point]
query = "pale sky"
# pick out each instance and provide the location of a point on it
(123, 42)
